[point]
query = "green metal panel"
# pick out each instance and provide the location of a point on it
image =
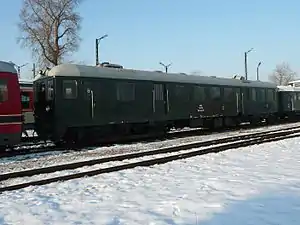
(180, 104)
(259, 104)
(107, 107)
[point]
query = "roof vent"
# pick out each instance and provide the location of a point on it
(44, 72)
(110, 65)
(239, 77)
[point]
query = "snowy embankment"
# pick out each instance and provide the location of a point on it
(254, 185)
(44, 160)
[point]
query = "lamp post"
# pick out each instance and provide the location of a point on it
(165, 66)
(18, 67)
(97, 47)
(246, 66)
(257, 71)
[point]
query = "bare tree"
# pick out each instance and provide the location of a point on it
(49, 28)
(282, 74)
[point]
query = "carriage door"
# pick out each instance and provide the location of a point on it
(239, 98)
(90, 102)
(158, 100)
(293, 97)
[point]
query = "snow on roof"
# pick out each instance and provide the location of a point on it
(7, 67)
(25, 81)
(73, 70)
(288, 89)
(294, 81)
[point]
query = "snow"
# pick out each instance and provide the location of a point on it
(42, 160)
(288, 89)
(31, 133)
(99, 166)
(254, 185)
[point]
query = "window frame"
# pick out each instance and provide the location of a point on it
(228, 96)
(270, 95)
(27, 95)
(122, 88)
(3, 89)
(262, 95)
(199, 89)
(253, 94)
(50, 82)
(212, 92)
(73, 96)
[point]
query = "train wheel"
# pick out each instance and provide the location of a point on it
(271, 119)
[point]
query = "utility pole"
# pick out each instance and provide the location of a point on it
(165, 66)
(257, 71)
(97, 47)
(33, 70)
(246, 66)
(19, 68)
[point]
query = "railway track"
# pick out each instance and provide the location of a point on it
(35, 147)
(138, 158)
(40, 147)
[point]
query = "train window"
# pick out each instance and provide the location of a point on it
(179, 90)
(3, 91)
(248, 94)
(50, 91)
(41, 92)
(199, 93)
(182, 92)
(253, 94)
(70, 89)
(125, 92)
(215, 92)
(270, 95)
(298, 96)
(159, 92)
(25, 100)
(262, 95)
(228, 93)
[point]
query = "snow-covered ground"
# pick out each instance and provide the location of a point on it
(254, 185)
(107, 165)
(47, 159)
(97, 166)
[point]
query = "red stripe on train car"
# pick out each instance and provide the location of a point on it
(10, 128)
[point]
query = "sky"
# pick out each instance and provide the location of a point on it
(193, 35)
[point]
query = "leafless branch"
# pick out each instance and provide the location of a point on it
(282, 74)
(49, 28)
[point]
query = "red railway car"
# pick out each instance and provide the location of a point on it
(10, 106)
(26, 88)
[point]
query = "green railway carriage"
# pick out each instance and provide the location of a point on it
(288, 101)
(77, 102)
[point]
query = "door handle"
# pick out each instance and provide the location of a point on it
(92, 103)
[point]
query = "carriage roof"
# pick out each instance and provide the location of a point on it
(7, 67)
(73, 70)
